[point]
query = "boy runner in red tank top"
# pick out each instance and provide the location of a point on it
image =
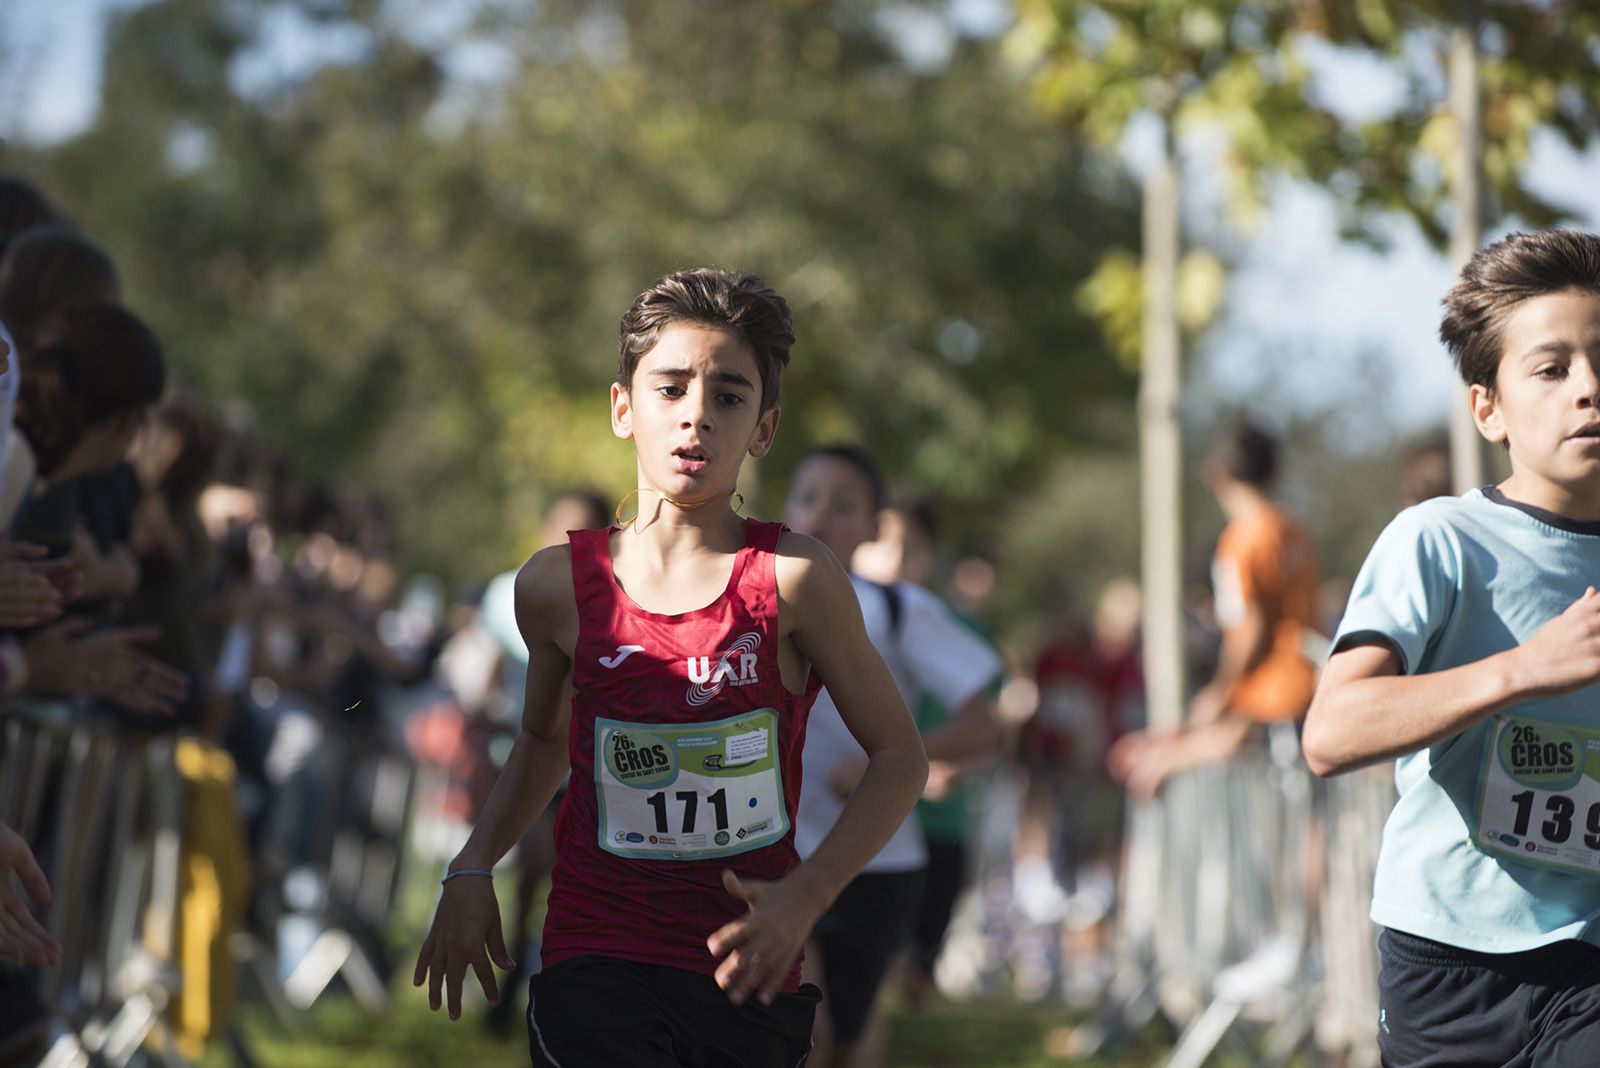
(671, 666)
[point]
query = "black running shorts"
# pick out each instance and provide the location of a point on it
(1443, 1007)
(587, 1012)
(860, 936)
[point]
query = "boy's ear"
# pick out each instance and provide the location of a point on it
(1486, 413)
(766, 430)
(621, 412)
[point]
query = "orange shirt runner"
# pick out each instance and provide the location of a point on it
(1266, 558)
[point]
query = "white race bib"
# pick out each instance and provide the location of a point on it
(1539, 795)
(689, 791)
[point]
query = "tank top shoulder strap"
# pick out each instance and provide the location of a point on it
(763, 536)
(758, 584)
(592, 586)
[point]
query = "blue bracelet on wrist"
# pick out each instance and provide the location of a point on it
(468, 871)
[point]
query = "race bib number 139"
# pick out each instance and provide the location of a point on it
(1539, 795)
(689, 791)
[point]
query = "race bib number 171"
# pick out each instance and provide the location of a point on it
(1539, 795)
(689, 791)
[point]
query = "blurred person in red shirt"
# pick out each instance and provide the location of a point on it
(1091, 693)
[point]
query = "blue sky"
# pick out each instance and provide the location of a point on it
(1312, 323)
(51, 48)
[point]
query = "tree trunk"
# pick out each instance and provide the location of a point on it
(1161, 448)
(1466, 446)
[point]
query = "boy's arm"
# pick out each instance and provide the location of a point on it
(1244, 646)
(1144, 760)
(971, 734)
(825, 626)
(951, 663)
(1365, 711)
(467, 921)
(955, 747)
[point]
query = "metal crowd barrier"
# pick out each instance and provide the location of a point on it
(102, 810)
(357, 856)
(1243, 913)
(1355, 808)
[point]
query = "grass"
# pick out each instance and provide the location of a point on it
(998, 1033)
(337, 1033)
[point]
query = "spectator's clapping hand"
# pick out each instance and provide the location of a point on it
(253, 601)
(29, 593)
(65, 575)
(105, 574)
(1142, 761)
(22, 938)
(64, 660)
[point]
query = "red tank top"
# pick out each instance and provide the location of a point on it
(669, 703)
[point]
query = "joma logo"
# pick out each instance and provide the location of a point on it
(735, 666)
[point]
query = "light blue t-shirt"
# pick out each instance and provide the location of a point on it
(1450, 582)
(497, 614)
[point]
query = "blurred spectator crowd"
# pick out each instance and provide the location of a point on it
(164, 572)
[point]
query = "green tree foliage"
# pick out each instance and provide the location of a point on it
(1224, 66)
(1539, 70)
(1242, 73)
(412, 270)
(1225, 63)
(1241, 69)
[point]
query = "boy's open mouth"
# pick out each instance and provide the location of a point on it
(690, 461)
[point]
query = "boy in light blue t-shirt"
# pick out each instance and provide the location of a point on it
(1470, 651)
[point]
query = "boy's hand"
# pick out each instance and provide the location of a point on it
(1565, 653)
(466, 930)
(758, 950)
(943, 775)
